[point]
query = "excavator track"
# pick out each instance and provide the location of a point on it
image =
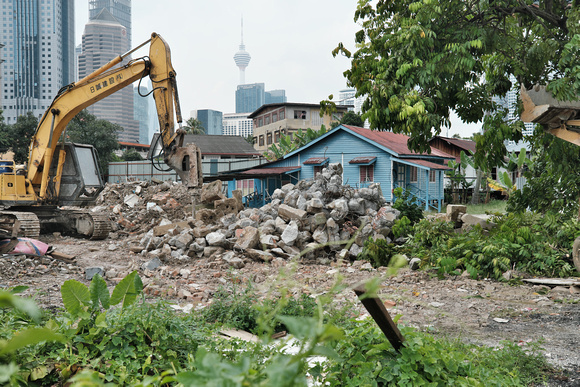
(76, 222)
(101, 226)
(29, 223)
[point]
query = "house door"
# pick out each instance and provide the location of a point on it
(398, 175)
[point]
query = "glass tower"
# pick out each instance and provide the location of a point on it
(120, 9)
(38, 54)
(249, 97)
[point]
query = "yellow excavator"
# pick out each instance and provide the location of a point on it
(60, 174)
(559, 118)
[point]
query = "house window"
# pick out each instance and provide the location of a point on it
(277, 136)
(260, 122)
(413, 174)
(269, 139)
(318, 170)
(367, 173)
(281, 114)
(261, 140)
(254, 140)
(300, 114)
(246, 186)
(266, 120)
(274, 117)
(431, 175)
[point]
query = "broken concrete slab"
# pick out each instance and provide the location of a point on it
(259, 255)
(290, 233)
(249, 238)
(289, 213)
(470, 220)
(164, 229)
(211, 192)
(455, 211)
(90, 272)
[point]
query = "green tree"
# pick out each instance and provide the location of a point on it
(131, 155)
(416, 61)
(20, 135)
(85, 128)
(551, 186)
(4, 135)
(194, 126)
(288, 144)
(352, 118)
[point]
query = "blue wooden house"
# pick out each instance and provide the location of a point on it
(367, 157)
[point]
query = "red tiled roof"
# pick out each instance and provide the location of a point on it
(460, 143)
(362, 160)
(315, 160)
(395, 142)
(428, 164)
(269, 171)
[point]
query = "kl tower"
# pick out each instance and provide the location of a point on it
(242, 58)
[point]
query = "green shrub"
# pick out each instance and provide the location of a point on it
(368, 359)
(407, 205)
(538, 245)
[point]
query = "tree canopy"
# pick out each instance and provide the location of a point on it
(194, 126)
(85, 128)
(417, 60)
(352, 118)
(20, 135)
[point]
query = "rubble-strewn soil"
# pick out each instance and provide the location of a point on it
(177, 267)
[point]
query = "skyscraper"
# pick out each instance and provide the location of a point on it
(103, 39)
(276, 96)
(242, 58)
(38, 54)
(120, 9)
(141, 112)
(211, 120)
(249, 97)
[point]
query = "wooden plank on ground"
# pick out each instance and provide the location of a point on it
(553, 281)
(379, 313)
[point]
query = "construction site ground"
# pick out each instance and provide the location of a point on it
(478, 311)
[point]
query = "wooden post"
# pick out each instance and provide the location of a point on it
(379, 313)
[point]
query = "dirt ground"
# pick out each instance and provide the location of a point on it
(484, 312)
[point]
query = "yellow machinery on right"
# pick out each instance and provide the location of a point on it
(559, 118)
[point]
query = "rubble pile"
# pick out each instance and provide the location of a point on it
(316, 220)
(138, 206)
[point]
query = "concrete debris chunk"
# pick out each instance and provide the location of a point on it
(290, 233)
(289, 213)
(211, 192)
(249, 238)
(90, 272)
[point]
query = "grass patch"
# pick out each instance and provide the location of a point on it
(493, 206)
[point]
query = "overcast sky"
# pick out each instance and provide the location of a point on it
(290, 44)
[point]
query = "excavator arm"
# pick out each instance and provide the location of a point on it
(100, 84)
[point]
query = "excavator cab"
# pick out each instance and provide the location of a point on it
(81, 180)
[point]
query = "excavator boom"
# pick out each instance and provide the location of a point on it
(55, 166)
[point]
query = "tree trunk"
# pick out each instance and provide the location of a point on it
(477, 187)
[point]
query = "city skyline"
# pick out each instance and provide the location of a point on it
(37, 54)
(290, 44)
(290, 52)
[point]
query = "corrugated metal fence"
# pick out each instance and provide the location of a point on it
(123, 171)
